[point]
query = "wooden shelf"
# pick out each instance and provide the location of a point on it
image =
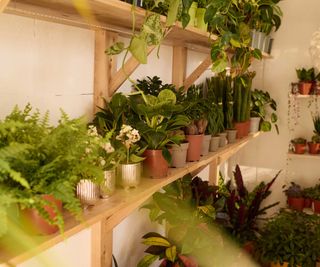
(112, 15)
(299, 96)
(292, 155)
(115, 208)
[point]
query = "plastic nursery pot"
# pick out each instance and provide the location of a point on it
(307, 203)
(214, 143)
(195, 145)
(316, 206)
(231, 136)
(254, 124)
(155, 165)
(108, 186)
(192, 13)
(313, 148)
(296, 203)
(299, 148)
(205, 145)
(179, 155)
(129, 175)
(223, 139)
(34, 221)
(199, 23)
(305, 88)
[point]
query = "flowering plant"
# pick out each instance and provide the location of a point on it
(128, 138)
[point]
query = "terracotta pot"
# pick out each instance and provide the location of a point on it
(299, 148)
(205, 145)
(307, 203)
(242, 128)
(313, 148)
(305, 88)
(179, 155)
(296, 203)
(195, 144)
(214, 143)
(249, 247)
(316, 206)
(231, 136)
(155, 165)
(223, 139)
(254, 124)
(34, 221)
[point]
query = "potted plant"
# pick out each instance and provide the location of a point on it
(316, 198)
(290, 239)
(41, 166)
(299, 145)
(129, 169)
(314, 144)
(260, 102)
(295, 198)
(306, 78)
(157, 118)
(308, 195)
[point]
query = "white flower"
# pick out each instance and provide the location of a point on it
(88, 150)
(92, 131)
(108, 148)
(102, 162)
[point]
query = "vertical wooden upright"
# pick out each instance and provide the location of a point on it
(104, 66)
(214, 172)
(3, 4)
(179, 65)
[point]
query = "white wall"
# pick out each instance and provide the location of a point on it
(290, 51)
(51, 66)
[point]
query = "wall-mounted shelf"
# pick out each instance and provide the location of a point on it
(299, 96)
(292, 155)
(117, 207)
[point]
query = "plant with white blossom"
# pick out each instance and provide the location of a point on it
(129, 136)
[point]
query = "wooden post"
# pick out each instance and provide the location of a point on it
(104, 66)
(101, 245)
(3, 4)
(214, 172)
(179, 65)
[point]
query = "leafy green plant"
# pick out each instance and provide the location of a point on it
(294, 190)
(316, 124)
(307, 75)
(299, 140)
(153, 86)
(315, 139)
(260, 102)
(291, 237)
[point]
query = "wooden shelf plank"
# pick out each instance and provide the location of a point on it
(112, 15)
(118, 206)
(292, 155)
(299, 96)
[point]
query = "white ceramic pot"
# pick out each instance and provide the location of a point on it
(108, 186)
(214, 143)
(231, 136)
(179, 155)
(223, 139)
(254, 124)
(205, 145)
(129, 175)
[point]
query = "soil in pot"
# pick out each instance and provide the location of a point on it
(254, 124)
(223, 139)
(214, 143)
(179, 155)
(232, 136)
(35, 223)
(299, 148)
(195, 145)
(155, 165)
(205, 145)
(316, 206)
(296, 203)
(307, 203)
(305, 88)
(313, 148)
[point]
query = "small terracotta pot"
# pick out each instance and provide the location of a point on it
(305, 88)
(205, 145)
(296, 203)
(316, 206)
(307, 203)
(155, 165)
(195, 144)
(214, 143)
(223, 139)
(299, 148)
(179, 155)
(34, 221)
(249, 247)
(242, 128)
(313, 148)
(231, 136)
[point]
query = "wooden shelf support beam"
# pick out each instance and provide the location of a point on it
(104, 66)
(3, 4)
(197, 72)
(179, 65)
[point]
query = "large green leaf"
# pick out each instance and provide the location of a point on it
(171, 253)
(265, 126)
(147, 260)
(156, 241)
(138, 48)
